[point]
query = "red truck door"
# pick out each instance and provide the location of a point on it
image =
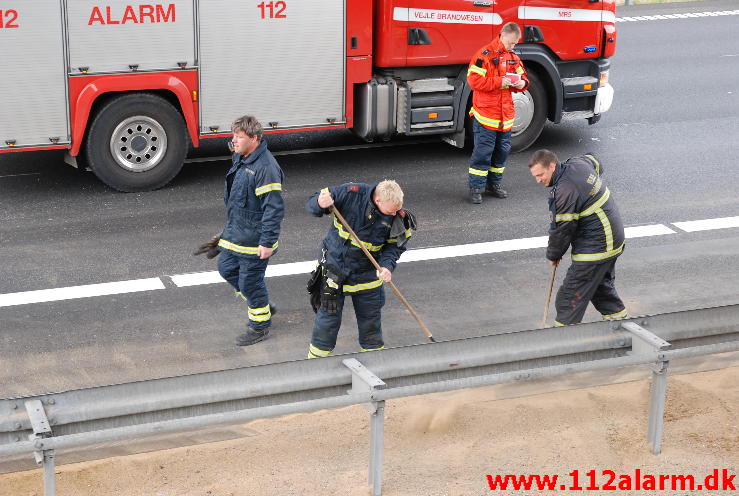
(448, 31)
(572, 28)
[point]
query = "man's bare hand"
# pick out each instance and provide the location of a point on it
(264, 252)
(554, 263)
(506, 82)
(384, 274)
(520, 84)
(325, 200)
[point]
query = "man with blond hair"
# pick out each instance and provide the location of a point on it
(375, 213)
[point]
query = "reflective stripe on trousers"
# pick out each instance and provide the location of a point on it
(246, 275)
(488, 156)
(368, 305)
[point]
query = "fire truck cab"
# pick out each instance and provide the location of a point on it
(127, 87)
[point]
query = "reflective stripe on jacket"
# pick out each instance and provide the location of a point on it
(492, 105)
(253, 197)
(354, 201)
(583, 213)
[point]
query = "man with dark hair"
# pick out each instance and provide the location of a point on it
(584, 215)
(255, 209)
(493, 74)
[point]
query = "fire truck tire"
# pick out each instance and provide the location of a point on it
(531, 114)
(136, 143)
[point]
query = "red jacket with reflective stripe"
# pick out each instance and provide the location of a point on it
(492, 104)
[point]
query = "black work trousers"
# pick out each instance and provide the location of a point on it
(586, 282)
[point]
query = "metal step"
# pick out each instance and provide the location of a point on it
(578, 114)
(429, 85)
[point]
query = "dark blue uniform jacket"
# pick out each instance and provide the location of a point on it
(253, 197)
(583, 213)
(354, 201)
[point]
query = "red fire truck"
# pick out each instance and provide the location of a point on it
(127, 87)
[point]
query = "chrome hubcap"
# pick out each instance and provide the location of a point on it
(524, 104)
(138, 143)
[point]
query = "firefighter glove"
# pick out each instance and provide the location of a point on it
(403, 226)
(210, 248)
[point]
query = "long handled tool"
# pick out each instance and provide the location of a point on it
(549, 298)
(377, 266)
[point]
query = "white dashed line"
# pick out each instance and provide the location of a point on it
(707, 224)
(658, 17)
(212, 277)
(420, 254)
(74, 292)
(295, 268)
(644, 231)
(473, 249)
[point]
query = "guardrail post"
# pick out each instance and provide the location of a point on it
(377, 437)
(657, 397)
(364, 381)
(644, 342)
(42, 429)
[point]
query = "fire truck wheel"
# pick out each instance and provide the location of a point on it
(137, 143)
(531, 114)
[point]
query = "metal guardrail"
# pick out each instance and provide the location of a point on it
(42, 424)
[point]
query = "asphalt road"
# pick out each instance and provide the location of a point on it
(668, 145)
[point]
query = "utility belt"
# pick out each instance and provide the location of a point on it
(326, 284)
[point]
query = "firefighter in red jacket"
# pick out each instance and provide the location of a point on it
(491, 75)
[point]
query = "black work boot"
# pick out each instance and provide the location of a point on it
(476, 195)
(496, 191)
(252, 336)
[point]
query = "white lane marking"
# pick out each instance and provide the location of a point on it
(86, 291)
(295, 268)
(212, 277)
(658, 17)
(420, 254)
(473, 249)
(650, 230)
(707, 224)
(197, 278)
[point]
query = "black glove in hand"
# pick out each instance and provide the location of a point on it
(330, 291)
(210, 248)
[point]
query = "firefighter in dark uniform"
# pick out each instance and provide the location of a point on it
(584, 215)
(252, 193)
(375, 214)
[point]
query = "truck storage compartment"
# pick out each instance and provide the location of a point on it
(425, 105)
(283, 63)
(120, 37)
(34, 81)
